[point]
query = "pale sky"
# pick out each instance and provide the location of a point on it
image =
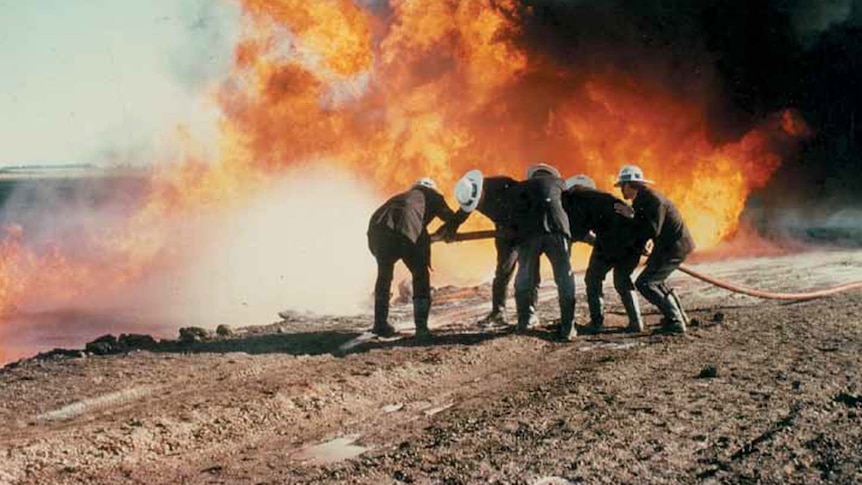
(106, 81)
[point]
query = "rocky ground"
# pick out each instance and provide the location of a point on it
(757, 392)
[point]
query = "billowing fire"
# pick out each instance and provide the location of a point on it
(423, 88)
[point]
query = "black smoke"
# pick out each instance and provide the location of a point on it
(746, 59)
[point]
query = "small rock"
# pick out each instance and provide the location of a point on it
(104, 345)
(849, 400)
(224, 331)
(137, 341)
(402, 477)
(194, 334)
(708, 372)
(391, 408)
(718, 317)
(60, 353)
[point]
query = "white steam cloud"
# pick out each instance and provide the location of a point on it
(299, 246)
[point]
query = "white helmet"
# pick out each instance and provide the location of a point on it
(631, 173)
(580, 180)
(468, 190)
(542, 167)
(426, 182)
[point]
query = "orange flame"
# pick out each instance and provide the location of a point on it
(452, 90)
(435, 88)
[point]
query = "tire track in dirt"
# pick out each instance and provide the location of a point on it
(96, 404)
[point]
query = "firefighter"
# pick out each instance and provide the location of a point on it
(543, 228)
(398, 231)
(493, 197)
(593, 219)
(656, 219)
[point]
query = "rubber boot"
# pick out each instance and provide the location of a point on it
(498, 308)
(526, 312)
(421, 309)
(381, 316)
(567, 319)
(633, 311)
(597, 309)
(496, 317)
(498, 302)
(675, 298)
(673, 321)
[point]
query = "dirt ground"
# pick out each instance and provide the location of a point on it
(757, 392)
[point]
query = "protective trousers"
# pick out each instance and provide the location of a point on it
(556, 248)
(623, 267)
(507, 258)
(388, 248)
(651, 284)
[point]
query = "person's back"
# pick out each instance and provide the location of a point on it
(538, 207)
(409, 213)
(498, 200)
(594, 210)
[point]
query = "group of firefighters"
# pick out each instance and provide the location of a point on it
(543, 214)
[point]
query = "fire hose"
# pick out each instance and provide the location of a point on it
(811, 295)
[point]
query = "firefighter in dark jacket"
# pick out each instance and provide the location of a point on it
(658, 220)
(593, 218)
(398, 231)
(493, 197)
(543, 228)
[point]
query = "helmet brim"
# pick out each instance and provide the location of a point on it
(475, 178)
(644, 181)
(543, 167)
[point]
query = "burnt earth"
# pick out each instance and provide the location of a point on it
(767, 393)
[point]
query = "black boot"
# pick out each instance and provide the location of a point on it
(497, 316)
(597, 309)
(498, 305)
(633, 311)
(498, 301)
(381, 316)
(674, 318)
(526, 312)
(421, 309)
(567, 319)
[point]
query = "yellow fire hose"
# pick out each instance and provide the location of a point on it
(811, 295)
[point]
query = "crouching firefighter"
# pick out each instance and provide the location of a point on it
(398, 231)
(543, 228)
(614, 248)
(656, 219)
(494, 198)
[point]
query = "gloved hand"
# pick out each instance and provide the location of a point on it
(624, 210)
(648, 248)
(449, 232)
(446, 233)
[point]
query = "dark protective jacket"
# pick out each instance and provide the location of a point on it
(497, 203)
(658, 219)
(593, 210)
(538, 208)
(410, 212)
(498, 200)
